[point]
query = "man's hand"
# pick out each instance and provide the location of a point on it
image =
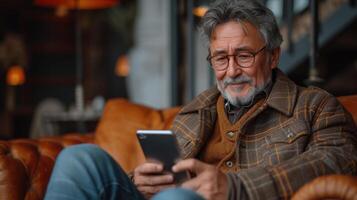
(150, 178)
(209, 181)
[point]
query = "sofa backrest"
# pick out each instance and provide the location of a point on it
(116, 131)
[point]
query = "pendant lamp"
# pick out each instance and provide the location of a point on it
(78, 4)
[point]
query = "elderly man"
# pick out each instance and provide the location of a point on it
(257, 135)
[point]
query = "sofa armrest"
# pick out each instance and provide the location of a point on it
(26, 164)
(350, 104)
(329, 187)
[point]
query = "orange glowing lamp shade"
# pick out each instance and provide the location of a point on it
(15, 76)
(200, 11)
(83, 4)
(122, 67)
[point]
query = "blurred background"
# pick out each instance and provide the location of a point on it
(61, 60)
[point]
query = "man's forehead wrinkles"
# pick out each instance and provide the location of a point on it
(228, 36)
(234, 49)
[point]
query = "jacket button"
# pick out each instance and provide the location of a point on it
(290, 134)
(229, 164)
(230, 134)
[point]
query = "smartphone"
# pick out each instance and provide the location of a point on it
(161, 146)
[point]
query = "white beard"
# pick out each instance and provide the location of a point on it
(248, 98)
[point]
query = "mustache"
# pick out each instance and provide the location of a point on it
(238, 80)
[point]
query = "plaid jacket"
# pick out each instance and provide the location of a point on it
(295, 135)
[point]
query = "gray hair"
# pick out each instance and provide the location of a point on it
(250, 11)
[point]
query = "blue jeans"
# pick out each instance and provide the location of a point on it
(85, 171)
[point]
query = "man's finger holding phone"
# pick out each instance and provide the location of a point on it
(149, 167)
(150, 178)
(151, 174)
(192, 165)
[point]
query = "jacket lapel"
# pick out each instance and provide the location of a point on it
(194, 123)
(283, 94)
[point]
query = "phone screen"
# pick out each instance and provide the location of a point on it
(161, 145)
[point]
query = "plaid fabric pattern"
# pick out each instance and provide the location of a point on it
(294, 136)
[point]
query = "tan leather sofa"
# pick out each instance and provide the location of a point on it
(26, 164)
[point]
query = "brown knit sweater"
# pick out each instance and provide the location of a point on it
(220, 149)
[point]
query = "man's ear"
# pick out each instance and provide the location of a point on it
(275, 55)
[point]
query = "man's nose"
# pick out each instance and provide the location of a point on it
(233, 70)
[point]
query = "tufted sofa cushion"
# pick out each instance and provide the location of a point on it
(26, 164)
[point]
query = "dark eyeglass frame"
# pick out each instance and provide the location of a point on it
(235, 57)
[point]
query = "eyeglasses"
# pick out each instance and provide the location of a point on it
(243, 58)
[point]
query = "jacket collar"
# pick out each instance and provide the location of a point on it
(206, 99)
(282, 96)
